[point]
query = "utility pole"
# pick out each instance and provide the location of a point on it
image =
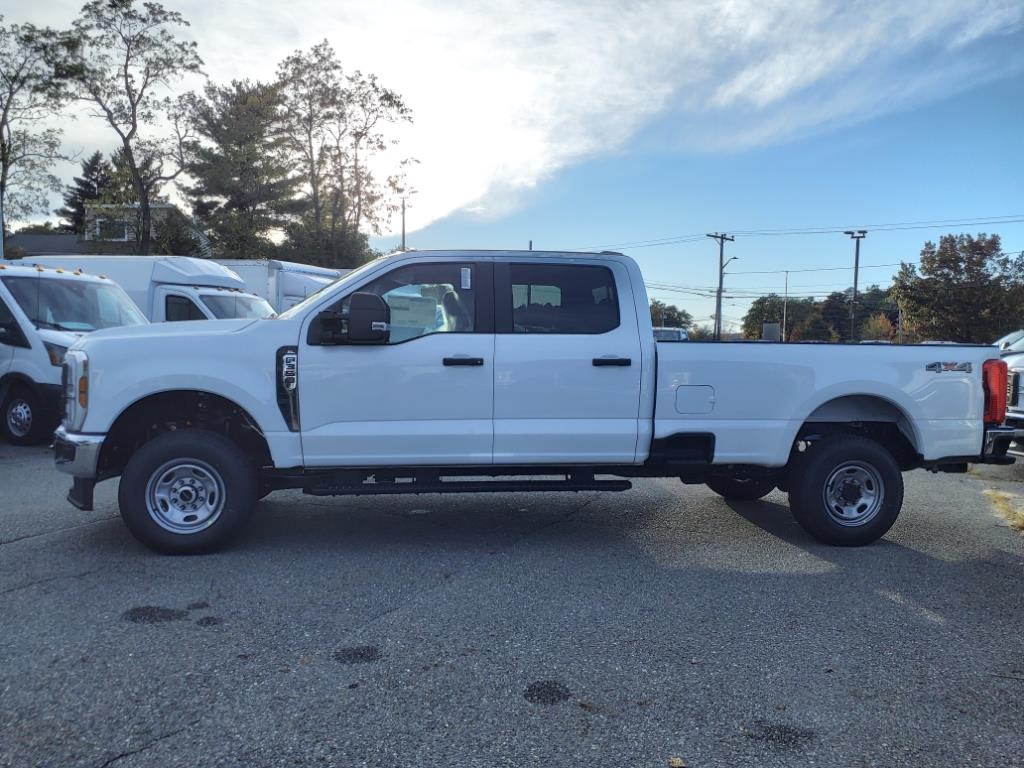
(857, 235)
(785, 305)
(721, 238)
(531, 245)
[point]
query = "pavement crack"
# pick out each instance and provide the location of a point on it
(57, 530)
(147, 745)
(47, 580)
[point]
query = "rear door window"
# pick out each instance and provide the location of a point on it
(563, 298)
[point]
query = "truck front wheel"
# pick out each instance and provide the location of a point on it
(24, 422)
(187, 492)
(846, 490)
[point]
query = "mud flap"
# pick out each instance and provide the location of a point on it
(80, 494)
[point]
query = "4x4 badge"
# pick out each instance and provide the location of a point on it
(944, 367)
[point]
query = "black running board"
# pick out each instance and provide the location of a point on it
(466, 486)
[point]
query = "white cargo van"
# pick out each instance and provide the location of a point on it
(282, 283)
(170, 287)
(42, 313)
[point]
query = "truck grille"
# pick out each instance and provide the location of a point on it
(1013, 384)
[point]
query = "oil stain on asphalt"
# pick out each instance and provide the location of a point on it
(357, 654)
(546, 692)
(153, 614)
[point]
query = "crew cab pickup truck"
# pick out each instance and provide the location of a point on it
(474, 371)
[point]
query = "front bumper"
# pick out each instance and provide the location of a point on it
(77, 454)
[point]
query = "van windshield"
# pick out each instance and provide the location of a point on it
(235, 305)
(73, 305)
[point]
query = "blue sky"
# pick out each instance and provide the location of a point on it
(959, 157)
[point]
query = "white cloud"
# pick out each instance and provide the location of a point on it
(505, 93)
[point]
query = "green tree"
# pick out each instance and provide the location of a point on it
(769, 309)
(701, 333)
(117, 56)
(96, 175)
(29, 95)
(814, 327)
(669, 315)
(244, 188)
(967, 290)
(46, 228)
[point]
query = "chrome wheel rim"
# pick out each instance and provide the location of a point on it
(19, 417)
(185, 496)
(853, 493)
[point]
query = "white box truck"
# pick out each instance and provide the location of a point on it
(169, 288)
(42, 313)
(282, 283)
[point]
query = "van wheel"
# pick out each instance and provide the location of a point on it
(187, 492)
(741, 488)
(846, 490)
(24, 423)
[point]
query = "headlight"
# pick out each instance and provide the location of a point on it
(56, 353)
(76, 389)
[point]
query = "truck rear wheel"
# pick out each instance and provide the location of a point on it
(741, 488)
(187, 492)
(846, 490)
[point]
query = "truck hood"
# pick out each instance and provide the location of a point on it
(183, 329)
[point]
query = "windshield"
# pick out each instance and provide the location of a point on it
(1017, 346)
(301, 306)
(73, 305)
(231, 305)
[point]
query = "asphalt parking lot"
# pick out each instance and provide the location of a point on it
(662, 626)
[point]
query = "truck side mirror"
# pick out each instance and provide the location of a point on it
(369, 319)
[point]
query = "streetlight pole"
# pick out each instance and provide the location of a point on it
(721, 238)
(785, 305)
(857, 235)
(403, 222)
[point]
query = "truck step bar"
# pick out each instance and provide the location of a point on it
(440, 485)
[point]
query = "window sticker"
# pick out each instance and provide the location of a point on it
(467, 278)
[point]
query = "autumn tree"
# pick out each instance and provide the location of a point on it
(335, 125)
(121, 57)
(878, 327)
(966, 290)
(669, 315)
(29, 95)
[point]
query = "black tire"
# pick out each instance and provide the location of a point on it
(741, 488)
(846, 490)
(24, 422)
(189, 473)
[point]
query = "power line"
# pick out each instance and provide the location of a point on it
(1010, 218)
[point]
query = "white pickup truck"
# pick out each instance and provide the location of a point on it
(473, 371)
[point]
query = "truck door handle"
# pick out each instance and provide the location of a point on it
(463, 361)
(600, 362)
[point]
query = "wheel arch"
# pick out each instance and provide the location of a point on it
(869, 415)
(170, 410)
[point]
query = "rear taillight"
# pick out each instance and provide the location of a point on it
(994, 375)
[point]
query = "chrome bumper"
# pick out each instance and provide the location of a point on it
(1015, 422)
(76, 454)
